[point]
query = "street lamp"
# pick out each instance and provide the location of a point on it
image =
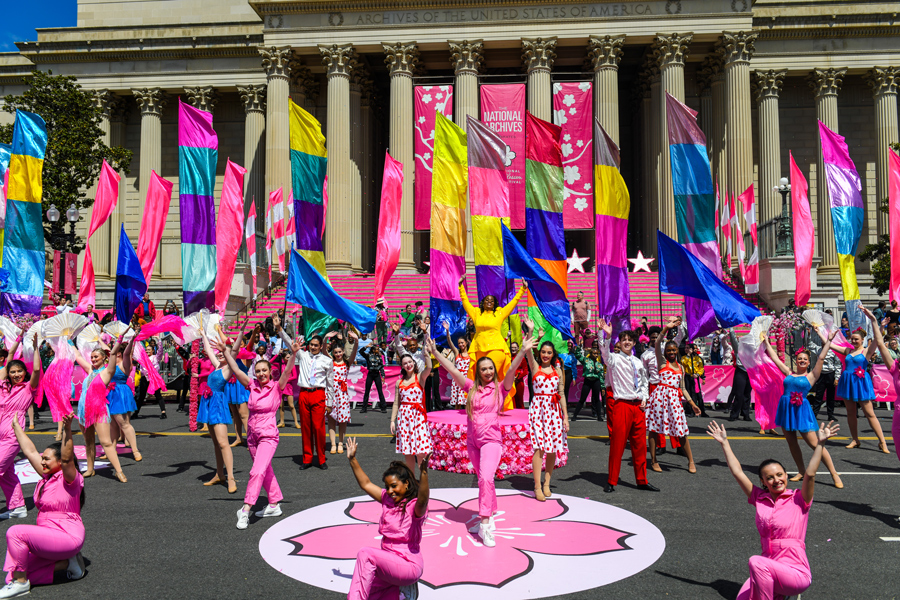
(784, 245)
(64, 241)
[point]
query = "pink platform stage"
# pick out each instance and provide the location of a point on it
(448, 434)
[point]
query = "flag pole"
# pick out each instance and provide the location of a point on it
(659, 288)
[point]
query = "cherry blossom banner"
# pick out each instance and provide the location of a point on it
(503, 112)
(573, 112)
(429, 99)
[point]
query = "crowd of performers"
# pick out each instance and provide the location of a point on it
(643, 385)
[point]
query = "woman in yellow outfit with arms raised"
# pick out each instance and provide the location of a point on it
(488, 340)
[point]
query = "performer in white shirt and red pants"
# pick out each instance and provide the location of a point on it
(314, 369)
(628, 378)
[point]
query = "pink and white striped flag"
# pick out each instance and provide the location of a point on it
(276, 208)
(250, 238)
(269, 236)
(751, 271)
(738, 234)
(228, 231)
(290, 225)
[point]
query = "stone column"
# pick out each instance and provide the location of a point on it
(102, 250)
(254, 99)
(736, 49)
(647, 186)
(884, 82)
(604, 52)
(339, 61)
(538, 55)
(650, 75)
(768, 87)
(152, 101)
(466, 58)
(203, 98)
(402, 58)
(371, 197)
(356, 159)
(670, 52)
(826, 83)
(276, 64)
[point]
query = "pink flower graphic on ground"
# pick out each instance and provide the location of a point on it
(454, 556)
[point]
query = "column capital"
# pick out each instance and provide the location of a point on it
(151, 100)
(367, 92)
(276, 61)
(671, 49)
(826, 82)
(204, 98)
(339, 59)
(253, 97)
(301, 79)
(768, 84)
(711, 68)
(605, 51)
(736, 46)
(883, 80)
(360, 74)
(538, 54)
(401, 58)
(112, 107)
(466, 56)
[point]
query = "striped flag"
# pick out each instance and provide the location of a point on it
(231, 217)
(751, 270)
(250, 238)
(269, 238)
(276, 222)
(5, 153)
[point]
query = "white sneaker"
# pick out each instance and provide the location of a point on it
(487, 536)
(14, 589)
(75, 570)
(270, 511)
(477, 526)
(17, 513)
(410, 592)
(243, 518)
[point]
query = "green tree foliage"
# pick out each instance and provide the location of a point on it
(75, 149)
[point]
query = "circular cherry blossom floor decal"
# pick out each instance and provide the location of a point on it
(592, 543)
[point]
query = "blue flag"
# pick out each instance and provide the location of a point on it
(130, 283)
(307, 287)
(680, 272)
(547, 293)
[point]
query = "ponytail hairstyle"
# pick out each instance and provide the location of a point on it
(470, 398)
(401, 471)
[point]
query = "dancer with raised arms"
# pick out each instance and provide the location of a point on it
(337, 392)
(461, 361)
(396, 567)
(893, 367)
(214, 412)
(795, 413)
(484, 443)
(121, 397)
(782, 516)
(409, 420)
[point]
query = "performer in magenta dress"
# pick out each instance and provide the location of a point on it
(782, 515)
(336, 391)
(384, 573)
(409, 420)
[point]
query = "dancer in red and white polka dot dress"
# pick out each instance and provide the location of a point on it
(548, 418)
(665, 414)
(337, 394)
(461, 361)
(409, 421)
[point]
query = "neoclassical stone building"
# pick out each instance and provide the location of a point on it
(759, 73)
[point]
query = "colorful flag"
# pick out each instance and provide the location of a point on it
(428, 100)
(387, 254)
(275, 224)
(573, 111)
(156, 212)
(229, 229)
(5, 153)
(847, 215)
(613, 205)
(104, 203)
(250, 238)
(130, 283)
(198, 153)
(894, 222)
(448, 227)
(503, 112)
(751, 270)
(695, 203)
(726, 229)
(269, 237)
(544, 235)
(24, 243)
(803, 233)
(738, 234)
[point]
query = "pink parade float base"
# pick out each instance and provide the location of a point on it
(448, 435)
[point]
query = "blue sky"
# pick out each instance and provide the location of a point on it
(21, 17)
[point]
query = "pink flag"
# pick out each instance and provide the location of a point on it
(388, 252)
(269, 237)
(250, 238)
(751, 271)
(324, 202)
(428, 100)
(726, 230)
(738, 234)
(803, 233)
(290, 224)
(104, 204)
(229, 230)
(894, 222)
(156, 211)
(276, 226)
(572, 111)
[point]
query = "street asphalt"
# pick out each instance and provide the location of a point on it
(164, 535)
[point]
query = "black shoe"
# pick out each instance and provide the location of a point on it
(747, 419)
(394, 441)
(323, 466)
(732, 418)
(609, 488)
(383, 410)
(179, 409)
(647, 487)
(660, 450)
(830, 418)
(705, 416)
(363, 411)
(600, 418)
(573, 418)
(305, 466)
(680, 451)
(163, 416)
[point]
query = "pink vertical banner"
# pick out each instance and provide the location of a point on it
(229, 231)
(388, 250)
(803, 232)
(71, 266)
(56, 258)
(894, 222)
(503, 111)
(156, 212)
(429, 100)
(573, 113)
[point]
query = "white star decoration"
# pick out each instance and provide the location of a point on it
(641, 263)
(575, 262)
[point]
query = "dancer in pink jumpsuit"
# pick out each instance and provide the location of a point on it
(382, 573)
(17, 390)
(34, 552)
(262, 426)
(781, 518)
(893, 367)
(483, 439)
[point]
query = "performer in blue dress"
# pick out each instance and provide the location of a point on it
(214, 410)
(795, 414)
(855, 386)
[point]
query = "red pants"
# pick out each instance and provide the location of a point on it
(627, 422)
(661, 437)
(311, 407)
